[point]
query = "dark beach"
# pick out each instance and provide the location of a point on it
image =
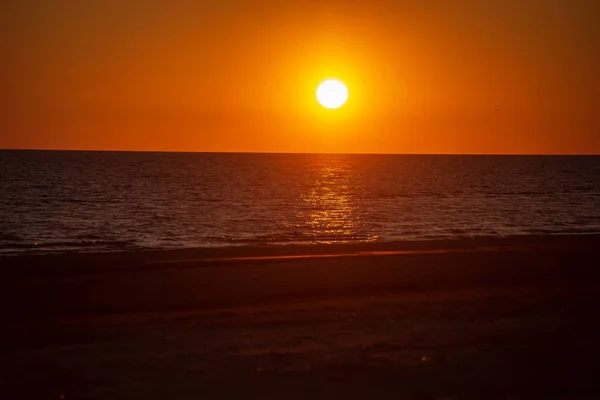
(475, 318)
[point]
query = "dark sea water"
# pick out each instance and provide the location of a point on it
(100, 201)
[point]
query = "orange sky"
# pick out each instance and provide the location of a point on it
(431, 76)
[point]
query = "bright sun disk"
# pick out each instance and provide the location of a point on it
(332, 93)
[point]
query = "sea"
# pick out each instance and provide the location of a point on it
(77, 201)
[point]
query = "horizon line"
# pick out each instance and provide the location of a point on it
(298, 153)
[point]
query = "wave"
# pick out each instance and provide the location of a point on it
(10, 237)
(79, 244)
(88, 201)
(295, 237)
(569, 231)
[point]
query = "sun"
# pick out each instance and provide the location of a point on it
(332, 93)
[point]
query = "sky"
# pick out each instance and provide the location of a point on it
(430, 76)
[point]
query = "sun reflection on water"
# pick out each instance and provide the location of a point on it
(332, 212)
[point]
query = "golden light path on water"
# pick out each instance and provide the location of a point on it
(332, 209)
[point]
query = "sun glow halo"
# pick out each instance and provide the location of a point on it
(332, 93)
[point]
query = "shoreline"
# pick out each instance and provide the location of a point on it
(166, 281)
(87, 262)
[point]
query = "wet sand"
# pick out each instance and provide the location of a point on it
(481, 318)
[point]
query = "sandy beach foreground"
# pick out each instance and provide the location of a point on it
(481, 318)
